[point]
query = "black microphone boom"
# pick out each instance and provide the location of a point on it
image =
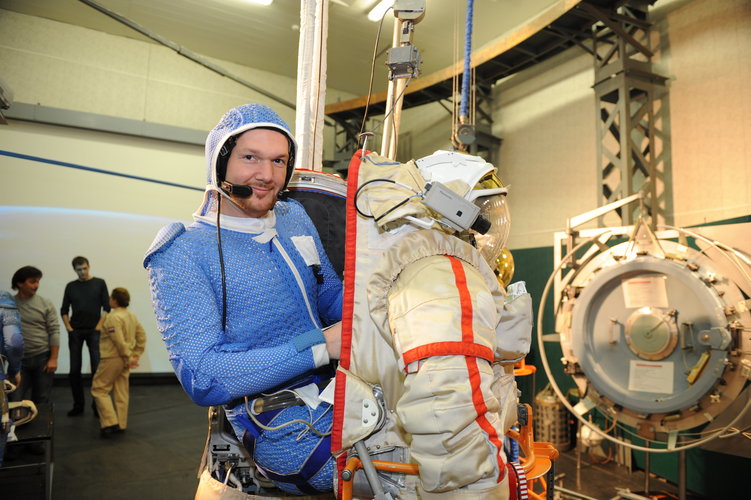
(237, 189)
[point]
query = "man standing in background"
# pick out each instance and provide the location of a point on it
(87, 296)
(41, 337)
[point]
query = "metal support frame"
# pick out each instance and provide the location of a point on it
(632, 147)
(485, 144)
(346, 142)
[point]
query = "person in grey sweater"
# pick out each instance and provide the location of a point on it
(41, 337)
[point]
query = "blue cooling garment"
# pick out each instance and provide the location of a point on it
(278, 299)
(269, 334)
(269, 330)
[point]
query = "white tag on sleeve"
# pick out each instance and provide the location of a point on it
(306, 246)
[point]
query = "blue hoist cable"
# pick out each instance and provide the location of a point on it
(464, 109)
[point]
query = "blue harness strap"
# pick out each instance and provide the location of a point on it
(314, 463)
(316, 459)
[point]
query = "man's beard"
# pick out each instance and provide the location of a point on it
(253, 205)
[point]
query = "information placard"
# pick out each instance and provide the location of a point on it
(645, 291)
(646, 376)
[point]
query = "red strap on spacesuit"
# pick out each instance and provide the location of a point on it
(447, 349)
(474, 372)
(348, 304)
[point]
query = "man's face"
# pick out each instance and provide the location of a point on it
(82, 270)
(259, 160)
(28, 288)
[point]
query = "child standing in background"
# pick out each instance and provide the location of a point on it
(122, 342)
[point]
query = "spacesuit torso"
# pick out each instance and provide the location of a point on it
(429, 329)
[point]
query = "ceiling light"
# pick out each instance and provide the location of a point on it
(377, 12)
(260, 2)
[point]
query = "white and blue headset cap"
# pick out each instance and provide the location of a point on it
(233, 123)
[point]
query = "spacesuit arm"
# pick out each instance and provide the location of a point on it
(442, 318)
(514, 332)
(212, 370)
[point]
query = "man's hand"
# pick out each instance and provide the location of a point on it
(134, 361)
(333, 336)
(51, 366)
(66, 323)
(17, 380)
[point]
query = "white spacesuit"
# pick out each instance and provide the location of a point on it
(429, 337)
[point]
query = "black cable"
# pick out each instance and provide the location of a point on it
(405, 200)
(357, 195)
(372, 72)
(221, 260)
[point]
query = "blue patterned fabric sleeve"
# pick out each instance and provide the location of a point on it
(10, 321)
(214, 366)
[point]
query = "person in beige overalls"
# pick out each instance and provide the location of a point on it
(122, 342)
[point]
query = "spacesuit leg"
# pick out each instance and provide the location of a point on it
(452, 416)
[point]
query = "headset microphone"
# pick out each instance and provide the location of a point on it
(236, 189)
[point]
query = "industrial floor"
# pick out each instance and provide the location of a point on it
(158, 456)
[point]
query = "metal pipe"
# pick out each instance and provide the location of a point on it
(370, 471)
(388, 118)
(396, 117)
(573, 494)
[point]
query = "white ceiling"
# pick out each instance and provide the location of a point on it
(267, 37)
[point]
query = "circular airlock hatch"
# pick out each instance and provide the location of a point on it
(630, 318)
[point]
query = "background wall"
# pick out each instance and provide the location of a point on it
(52, 212)
(547, 117)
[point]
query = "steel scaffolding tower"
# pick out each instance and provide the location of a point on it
(632, 142)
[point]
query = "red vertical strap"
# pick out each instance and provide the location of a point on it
(517, 482)
(473, 370)
(348, 304)
(350, 257)
(513, 491)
